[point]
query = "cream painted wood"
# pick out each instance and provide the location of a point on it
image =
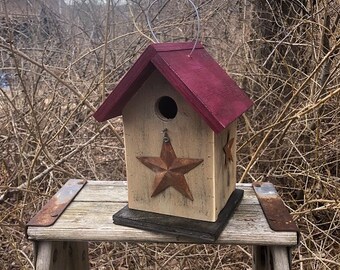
(89, 218)
(224, 170)
(190, 137)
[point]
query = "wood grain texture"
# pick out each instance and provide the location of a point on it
(205, 86)
(56, 255)
(89, 217)
(224, 170)
(191, 138)
(179, 226)
(280, 258)
(271, 258)
(130, 83)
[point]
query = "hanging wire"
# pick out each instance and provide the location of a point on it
(198, 24)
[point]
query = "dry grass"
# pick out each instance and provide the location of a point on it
(61, 69)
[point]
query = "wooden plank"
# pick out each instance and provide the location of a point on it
(121, 183)
(261, 258)
(44, 259)
(116, 191)
(89, 217)
(55, 255)
(124, 183)
(242, 229)
(99, 214)
(271, 258)
(103, 191)
(177, 226)
(281, 259)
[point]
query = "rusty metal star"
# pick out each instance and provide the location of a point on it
(170, 170)
(227, 151)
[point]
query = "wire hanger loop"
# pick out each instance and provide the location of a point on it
(197, 22)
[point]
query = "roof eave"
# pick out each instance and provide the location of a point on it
(150, 60)
(181, 87)
(113, 105)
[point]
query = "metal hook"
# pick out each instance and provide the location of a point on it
(166, 138)
(198, 24)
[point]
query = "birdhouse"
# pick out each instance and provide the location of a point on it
(179, 112)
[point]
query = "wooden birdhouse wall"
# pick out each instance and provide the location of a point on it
(225, 169)
(210, 183)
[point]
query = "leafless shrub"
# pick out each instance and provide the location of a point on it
(59, 62)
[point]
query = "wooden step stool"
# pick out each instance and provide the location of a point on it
(82, 211)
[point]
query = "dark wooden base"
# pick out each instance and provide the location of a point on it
(203, 231)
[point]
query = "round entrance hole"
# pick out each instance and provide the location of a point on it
(166, 108)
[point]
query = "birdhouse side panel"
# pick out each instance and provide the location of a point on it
(191, 140)
(225, 164)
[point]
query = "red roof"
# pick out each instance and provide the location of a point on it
(198, 78)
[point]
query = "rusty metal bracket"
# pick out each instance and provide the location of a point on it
(275, 211)
(53, 209)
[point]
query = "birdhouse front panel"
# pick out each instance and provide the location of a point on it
(176, 164)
